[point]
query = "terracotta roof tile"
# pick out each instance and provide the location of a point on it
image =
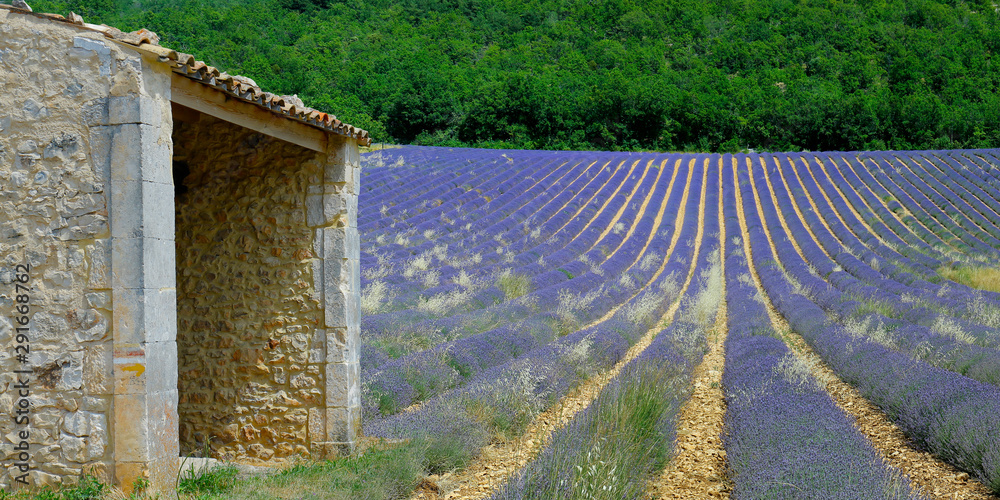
(237, 86)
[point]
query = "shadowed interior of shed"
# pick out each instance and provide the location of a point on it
(248, 315)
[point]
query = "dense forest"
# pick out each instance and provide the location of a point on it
(663, 75)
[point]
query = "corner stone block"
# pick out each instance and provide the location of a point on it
(353, 339)
(161, 371)
(342, 345)
(130, 367)
(158, 210)
(140, 208)
(128, 316)
(131, 435)
(126, 474)
(353, 247)
(136, 155)
(133, 108)
(352, 306)
(126, 157)
(317, 425)
(126, 209)
(336, 169)
(356, 281)
(352, 209)
(323, 209)
(159, 262)
(336, 244)
(126, 263)
(163, 423)
(343, 425)
(160, 314)
(163, 474)
(145, 315)
(342, 385)
(143, 263)
(335, 307)
(354, 391)
(333, 257)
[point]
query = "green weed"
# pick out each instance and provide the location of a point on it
(513, 285)
(215, 481)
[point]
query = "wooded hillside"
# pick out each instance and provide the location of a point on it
(616, 74)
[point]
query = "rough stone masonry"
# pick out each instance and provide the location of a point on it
(244, 274)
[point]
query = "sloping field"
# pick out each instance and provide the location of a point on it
(625, 325)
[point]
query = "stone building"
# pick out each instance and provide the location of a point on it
(179, 266)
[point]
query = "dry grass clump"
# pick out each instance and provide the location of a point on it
(374, 296)
(983, 278)
(871, 328)
(708, 300)
(948, 327)
(650, 260)
(384, 268)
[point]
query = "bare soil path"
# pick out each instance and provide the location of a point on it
(699, 468)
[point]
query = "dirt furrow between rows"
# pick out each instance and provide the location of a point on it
(812, 205)
(640, 214)
(583, 206)
(826, 197)
(834, 164)
(699, 468)
(781, 216)
(933, 477)
(847, 202)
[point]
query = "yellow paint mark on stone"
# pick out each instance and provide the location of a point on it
(135, 367)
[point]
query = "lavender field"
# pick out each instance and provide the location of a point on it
(497, 286)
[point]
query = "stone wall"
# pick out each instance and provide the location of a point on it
(250, 336)
(80, 119)
(268, 272)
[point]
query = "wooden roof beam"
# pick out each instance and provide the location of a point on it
(205, 99)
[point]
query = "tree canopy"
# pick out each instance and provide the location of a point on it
(663, 75)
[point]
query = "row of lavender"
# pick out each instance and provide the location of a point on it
(937, 389)
(495, 261)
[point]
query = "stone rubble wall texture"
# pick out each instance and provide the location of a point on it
(84, 126)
